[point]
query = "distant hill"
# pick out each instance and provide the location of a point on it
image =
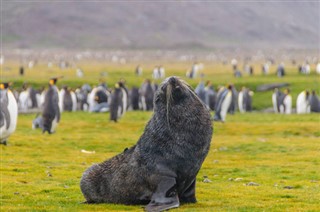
(160, 25)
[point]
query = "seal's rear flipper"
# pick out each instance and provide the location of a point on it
(165, 197)
(156, 207)
(189, 195)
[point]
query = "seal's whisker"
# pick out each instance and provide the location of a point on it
(168, 98)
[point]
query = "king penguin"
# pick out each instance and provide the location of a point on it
(277, 97)
(51, 111)
(116, 106)
(286, 104)
(67, 100)
(8, 113)
(223, 103)
(303, 105)
(314, 102)
(245, 100)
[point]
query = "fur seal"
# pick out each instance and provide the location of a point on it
(161, 169)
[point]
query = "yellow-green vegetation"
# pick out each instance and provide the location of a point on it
(280, 153)
(111, 73)
(257, 161)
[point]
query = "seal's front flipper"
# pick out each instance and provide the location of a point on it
(165, 197)
(189, 195)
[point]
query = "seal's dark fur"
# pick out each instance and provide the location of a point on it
(161, 168)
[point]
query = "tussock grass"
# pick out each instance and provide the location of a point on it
(42, 172)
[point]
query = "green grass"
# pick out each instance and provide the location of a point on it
(42, 172)
(269, 149)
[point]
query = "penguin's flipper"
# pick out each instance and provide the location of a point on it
(5, 115)
(1, 119)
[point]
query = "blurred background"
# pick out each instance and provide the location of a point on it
(176, 25)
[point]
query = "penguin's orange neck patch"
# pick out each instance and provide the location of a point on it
(1, 86)
(51, 82)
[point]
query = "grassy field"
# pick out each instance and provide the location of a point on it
(257, 161)
(280, 153)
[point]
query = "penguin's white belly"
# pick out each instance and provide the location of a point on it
(54, 125)
(13, 113)
(225, 106)
(240, 102)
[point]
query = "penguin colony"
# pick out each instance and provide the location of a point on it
(118, 99)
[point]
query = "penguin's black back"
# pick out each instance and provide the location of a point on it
(67, 101)
(101, 96)
(134, 98)
(314, 103)
(116, 103)
(149, 97)
(50, 108)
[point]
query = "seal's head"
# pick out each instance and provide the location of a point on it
(175, 97)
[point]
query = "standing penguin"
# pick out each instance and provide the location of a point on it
(134, 98)
(314, 102)
(24, 100)
(234, 100)
(28, 98)
(223, 103)
(51, 111)
(67, 100)
(277, 97)
(125, 96)
(116, 106)
(303, 105)
(8, 113)
(200, 91)
(147, 92)
(210, 95)
(245, 100)
(286, 103)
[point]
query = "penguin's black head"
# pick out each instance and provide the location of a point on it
(25, 86)
(4, 85)
(53, 81)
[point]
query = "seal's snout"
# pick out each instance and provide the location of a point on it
(173, 80)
